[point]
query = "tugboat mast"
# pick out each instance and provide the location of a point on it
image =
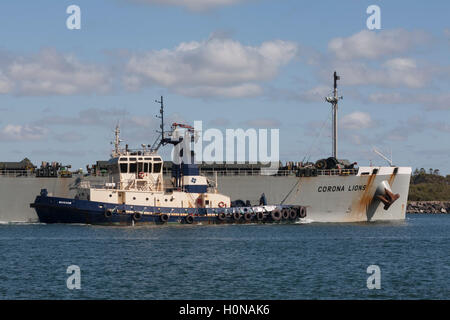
(334, 103)
(160, 141)
(116, 142)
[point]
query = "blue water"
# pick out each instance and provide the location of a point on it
(303, 261)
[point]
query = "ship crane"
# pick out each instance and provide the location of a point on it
(383, 156)
(185, 126)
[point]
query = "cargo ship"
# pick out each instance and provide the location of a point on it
(332, 189)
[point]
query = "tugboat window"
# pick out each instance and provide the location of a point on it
(124, 167)
(150, 168)
(133, 168)
(140, 167)
(146, 167)
(157, 167)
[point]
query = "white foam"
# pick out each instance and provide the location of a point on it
(304, 221)
(19, 222)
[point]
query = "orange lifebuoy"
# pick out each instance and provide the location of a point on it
(141, 175)
(221, 204)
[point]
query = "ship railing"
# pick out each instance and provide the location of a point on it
(247, 172)
(337, 172)
(16, 173)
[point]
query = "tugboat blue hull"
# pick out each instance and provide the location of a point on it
(64, 210)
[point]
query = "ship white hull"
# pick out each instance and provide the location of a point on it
(344, 201)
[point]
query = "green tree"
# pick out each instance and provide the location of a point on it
(429, 186)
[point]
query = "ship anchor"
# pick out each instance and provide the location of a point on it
(388, 198)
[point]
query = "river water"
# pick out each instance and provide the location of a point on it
(299, 261)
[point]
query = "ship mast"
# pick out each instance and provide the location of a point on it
(117, 141)
(334, 103)
(160, 141)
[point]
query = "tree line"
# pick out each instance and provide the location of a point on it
(429, 185)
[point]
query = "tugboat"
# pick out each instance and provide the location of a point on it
(137, 194)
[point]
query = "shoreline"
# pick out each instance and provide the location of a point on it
(436, 207)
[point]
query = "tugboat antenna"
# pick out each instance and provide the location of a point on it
(117, 140)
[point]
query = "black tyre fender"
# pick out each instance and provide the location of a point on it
(331, 163)
(302, 212)
(321, 164)
(275, 215)
(222, 216)
(189, 219)
(248, 216)
(236, 216)
(108, 213)
(285, 213)
(137, 216)
(292, 214)
(164, 217)
(260, 216)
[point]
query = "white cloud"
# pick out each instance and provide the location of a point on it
(263, 123)
(436, 101)
(13, 132)
(388, 98)
(220, 122)
(215, 67)
(447, 33)
(243, 90)
(373, 45)
(356, 120)
(314, 94)
(5, 84)
(51, 73)
(69, 137)
(88, 117)
(194, 5)
(318, 93)
(393, 73)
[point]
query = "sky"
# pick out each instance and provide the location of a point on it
(232, 64)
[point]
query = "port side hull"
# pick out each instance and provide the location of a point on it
(64, 210)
